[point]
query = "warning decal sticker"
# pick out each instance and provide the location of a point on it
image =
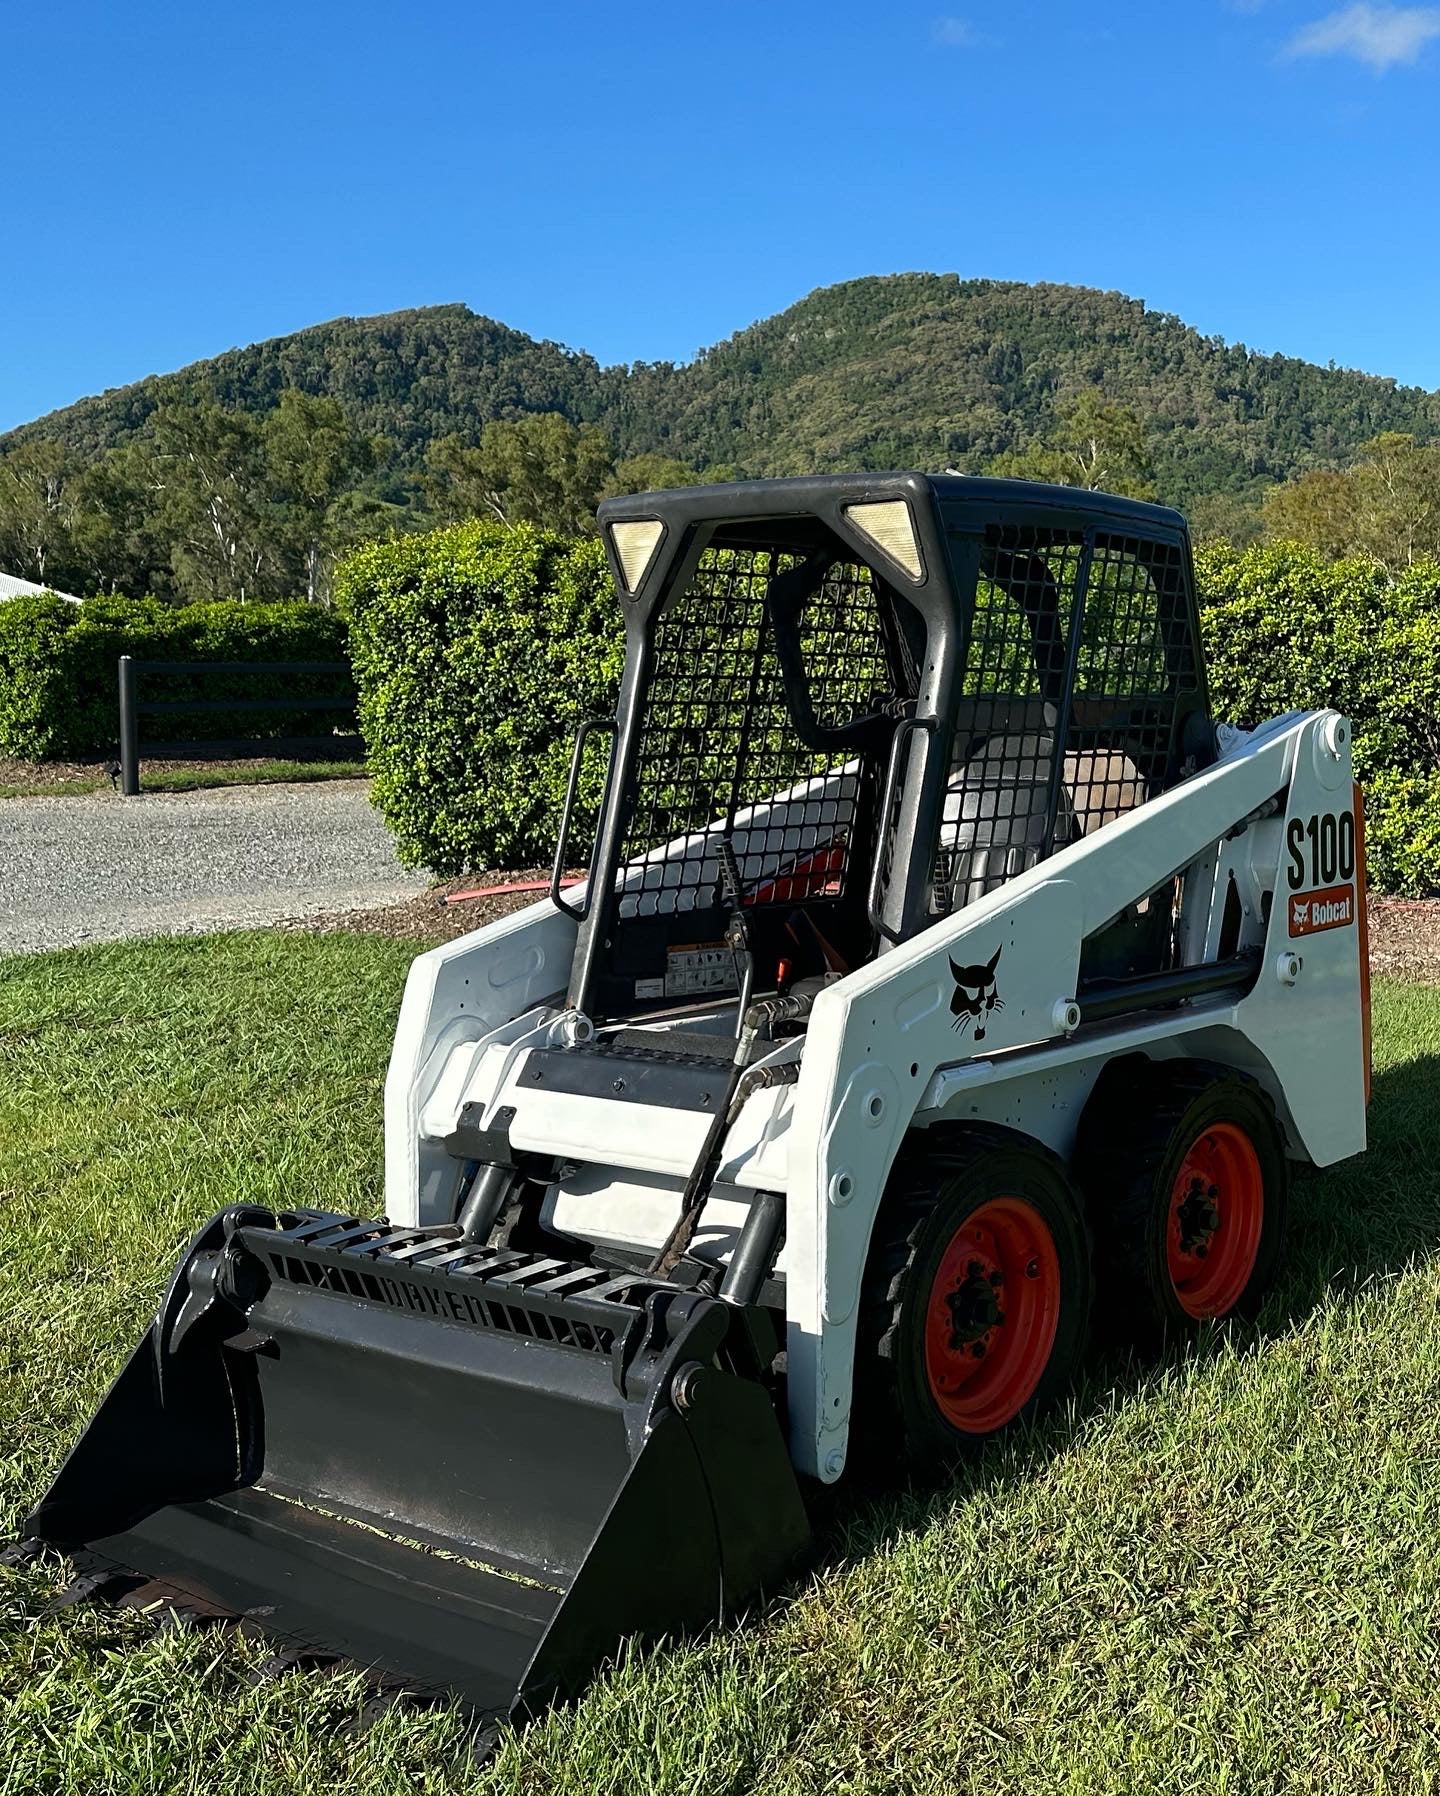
(700, 970)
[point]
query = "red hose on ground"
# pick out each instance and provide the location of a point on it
(515, 887)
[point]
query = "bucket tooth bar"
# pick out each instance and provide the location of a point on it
(470, 1471)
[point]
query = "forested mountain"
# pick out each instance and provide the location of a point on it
(408, 376)
(926, 370)
(902, 370)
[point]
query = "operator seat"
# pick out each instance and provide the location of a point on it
(993, 823)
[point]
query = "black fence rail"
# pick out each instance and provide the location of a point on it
(133, 708)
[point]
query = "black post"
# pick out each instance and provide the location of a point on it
(129, 731)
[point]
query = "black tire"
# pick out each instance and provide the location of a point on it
(942, 1178)
(1140, 1125)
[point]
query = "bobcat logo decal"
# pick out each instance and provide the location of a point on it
(975, 995)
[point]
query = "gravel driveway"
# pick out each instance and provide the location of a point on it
(98, 869)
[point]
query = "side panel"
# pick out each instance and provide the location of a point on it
(878, 1038)
(456, 995)
(1305, 1014)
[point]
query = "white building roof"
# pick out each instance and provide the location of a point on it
(11, 587)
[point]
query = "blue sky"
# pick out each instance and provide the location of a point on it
(642, 179)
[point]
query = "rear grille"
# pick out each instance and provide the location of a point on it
(432, 1272)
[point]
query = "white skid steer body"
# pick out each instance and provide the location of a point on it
(882, 1053)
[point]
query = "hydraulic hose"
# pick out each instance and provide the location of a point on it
(693, 1199)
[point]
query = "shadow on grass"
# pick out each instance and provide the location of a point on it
(1365, 1219)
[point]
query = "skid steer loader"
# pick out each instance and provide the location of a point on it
(938, 955)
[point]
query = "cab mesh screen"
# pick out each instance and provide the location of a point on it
(1136, 661)
(1035, 765)
(718, 746)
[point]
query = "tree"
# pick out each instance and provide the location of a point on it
(117, 543)
(37, 508)
(357, 517)
(649, 473)
(1106, 444)
(1318, 510)
(212, 506)
(540, 469)
(455, 487)
(1397, 500)
(1233, 518)
(1095, 443)
(314, 456)
(1386, 506)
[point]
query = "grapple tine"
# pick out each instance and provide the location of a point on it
(172, 1606)
(373, 1710)
(294, 1658)
(103, 1585)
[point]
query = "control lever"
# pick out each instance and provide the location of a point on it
(737, 931)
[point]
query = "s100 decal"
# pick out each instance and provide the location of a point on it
(1321, 857)
(1322, 849)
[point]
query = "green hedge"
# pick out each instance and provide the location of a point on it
(59, 661)
(478, 650)
(1286, 630)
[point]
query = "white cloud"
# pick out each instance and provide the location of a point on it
(1382, 36)
(960, 34)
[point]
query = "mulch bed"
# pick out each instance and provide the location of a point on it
(428, 918)
(1404, 932)
(56, 776)
(1405, 938)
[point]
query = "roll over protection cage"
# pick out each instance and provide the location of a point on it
(969, 534)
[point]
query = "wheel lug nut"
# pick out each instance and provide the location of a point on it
(1033, 1269)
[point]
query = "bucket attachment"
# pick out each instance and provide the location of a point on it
(470, 1470)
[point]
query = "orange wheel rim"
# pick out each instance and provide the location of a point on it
(993, 1310)
(1216, 1215)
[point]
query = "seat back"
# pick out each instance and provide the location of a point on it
(997, 804)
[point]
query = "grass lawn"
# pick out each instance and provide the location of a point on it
(1216, 1574)
(196, 778)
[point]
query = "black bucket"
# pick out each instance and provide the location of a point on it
(470, 1470)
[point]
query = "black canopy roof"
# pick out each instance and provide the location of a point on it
(962, 498)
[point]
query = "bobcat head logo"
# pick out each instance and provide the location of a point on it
(975, 995)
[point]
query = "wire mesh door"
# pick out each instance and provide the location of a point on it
(1135, 667)
(1057, 733)
(719, 751)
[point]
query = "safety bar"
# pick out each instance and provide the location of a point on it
(907, 727)
(587, 729)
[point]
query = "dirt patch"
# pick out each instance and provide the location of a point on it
(54, 776)
(47, 779)
(1404, 932)
(1405, 938)
(428, 918)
